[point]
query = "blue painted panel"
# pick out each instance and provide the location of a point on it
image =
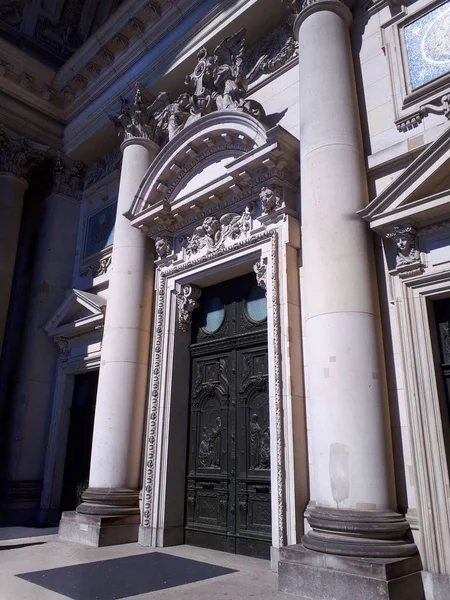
(100, 230)
(428, 45)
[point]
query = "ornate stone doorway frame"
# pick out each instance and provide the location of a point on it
(166, 441)
(427, 441)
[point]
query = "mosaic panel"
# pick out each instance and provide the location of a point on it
(100, 230)
(428, 45)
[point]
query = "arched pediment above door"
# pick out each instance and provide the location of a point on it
(218, 161)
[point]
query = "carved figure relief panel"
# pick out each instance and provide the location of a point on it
(228, 482)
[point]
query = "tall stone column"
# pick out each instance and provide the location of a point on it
(352, 513)
(17, 156)
(109, 513)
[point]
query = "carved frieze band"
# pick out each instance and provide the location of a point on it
(153, 410)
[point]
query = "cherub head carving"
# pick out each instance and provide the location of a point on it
(211, 226)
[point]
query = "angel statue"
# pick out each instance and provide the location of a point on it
(170, 116)
(218, 81)
(229, 81)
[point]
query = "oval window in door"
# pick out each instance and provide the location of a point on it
(214, 314)
(257, 304)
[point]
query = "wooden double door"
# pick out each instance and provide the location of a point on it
(228, 480)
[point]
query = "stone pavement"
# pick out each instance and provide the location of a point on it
(35, 565)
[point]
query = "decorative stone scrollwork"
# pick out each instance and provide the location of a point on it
(187, 301)
(101, 267)
(270, 199)
(406, 245)
(266, 65)
(260, 269)
(64, 348)
(18, 155)
(68, 177)
(214, 231)
(217, 83)
(163, 246)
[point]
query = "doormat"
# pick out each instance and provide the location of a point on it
(122, 577)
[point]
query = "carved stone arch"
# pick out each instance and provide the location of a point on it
(228, 133)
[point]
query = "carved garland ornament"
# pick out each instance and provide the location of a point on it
(148, 496)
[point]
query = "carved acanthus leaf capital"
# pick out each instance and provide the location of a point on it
(134, 119)
(18, 155)
(187, 300)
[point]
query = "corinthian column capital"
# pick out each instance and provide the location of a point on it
(304, 8)
(18, 155)
(135, 119)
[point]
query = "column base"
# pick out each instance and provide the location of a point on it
(98, 530)
(316, 576)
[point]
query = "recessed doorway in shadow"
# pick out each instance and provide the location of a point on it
(79, 440)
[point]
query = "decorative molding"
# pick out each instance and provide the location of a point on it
(438, 106)
(153, 410)
(187, 301)
(18, 155)
(267, 62)
(68, 177)
(260, 269)
(407, 252)
(215, 230)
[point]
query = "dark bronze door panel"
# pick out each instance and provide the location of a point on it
(228, 482)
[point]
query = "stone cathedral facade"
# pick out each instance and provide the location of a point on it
(225, 282)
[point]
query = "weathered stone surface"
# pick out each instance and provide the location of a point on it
(316, 576)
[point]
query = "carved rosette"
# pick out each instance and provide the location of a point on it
(18, 155)
(407, 261)
(68, 177)
(187, 301)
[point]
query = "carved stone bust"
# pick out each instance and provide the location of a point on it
(405, 240)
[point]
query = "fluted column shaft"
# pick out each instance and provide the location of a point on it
(353, 483)
(120, 405)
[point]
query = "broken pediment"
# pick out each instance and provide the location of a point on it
(217, 161)
(80, 312)
(420, 194)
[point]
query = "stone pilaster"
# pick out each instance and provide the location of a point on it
(358, 545)
(110, 509)
(17, 156)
